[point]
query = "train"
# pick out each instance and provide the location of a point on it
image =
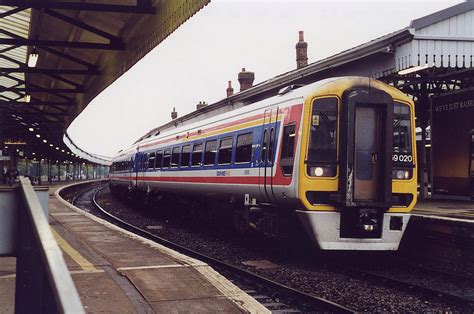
(338, 156)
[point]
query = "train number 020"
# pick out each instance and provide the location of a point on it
(402, 158)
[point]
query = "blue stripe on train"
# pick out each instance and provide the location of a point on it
(257, 132)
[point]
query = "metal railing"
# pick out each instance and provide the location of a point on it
(43, 282)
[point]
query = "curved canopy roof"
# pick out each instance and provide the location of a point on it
(82, 47)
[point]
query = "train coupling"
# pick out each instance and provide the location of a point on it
(368, 221)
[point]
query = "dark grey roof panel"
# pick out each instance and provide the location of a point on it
(442, 15)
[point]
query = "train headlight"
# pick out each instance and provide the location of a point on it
(401, 174)
(318, 171)
(322, 171)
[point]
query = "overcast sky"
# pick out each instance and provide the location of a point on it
(196, 61)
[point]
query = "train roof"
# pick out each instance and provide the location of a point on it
(195, 119)
(217, 108)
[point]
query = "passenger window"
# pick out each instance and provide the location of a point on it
(271, 147)
(288, 149)
(210, 152)
(166, 158)
(197, 155)
(185, 156)
(264, 147)
(175, 157)
(158, 159)
(243, 152)
(145, 162)
(151, 161)
(225, 151)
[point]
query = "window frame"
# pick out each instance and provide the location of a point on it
(215, 153)
(200, 163)
(153, 158)
(237, 148)
(288, 161)
(220, 149)
(176, 150)
(168, 149)
(160, 153)
(183, 154)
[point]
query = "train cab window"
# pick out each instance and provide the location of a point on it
(174, 157)
(158, 159)
(166, 158)
(243, 152)
(322, 149)
(196, 157)
(264, 147)
(287, 157)
(210, 152)
(225, 151)
(151, 161)
(402, 157)
(185, 156)
(271, 145)
(401, 128)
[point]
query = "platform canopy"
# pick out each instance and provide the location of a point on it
(80, 48)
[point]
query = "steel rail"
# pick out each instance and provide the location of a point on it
(424, 289)
(318, 302)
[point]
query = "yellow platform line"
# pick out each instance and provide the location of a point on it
(74, 254)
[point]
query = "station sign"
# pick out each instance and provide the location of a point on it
(453, 143)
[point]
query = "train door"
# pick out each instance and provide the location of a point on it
(136, 168)
(471, 162)
(267, 154)
(143, 170)
(367, 153)
(366, 148)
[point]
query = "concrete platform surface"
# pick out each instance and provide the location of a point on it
(445, 208)
(118, 272)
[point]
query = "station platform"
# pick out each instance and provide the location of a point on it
(118, 272)
(445, 209)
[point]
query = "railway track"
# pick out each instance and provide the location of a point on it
(276, 297)
(410, 285)
(271, 293)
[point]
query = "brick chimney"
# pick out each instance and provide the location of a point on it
(174, 114)
(301, 52)
(201, 104)
(246, 79)
(230, 90)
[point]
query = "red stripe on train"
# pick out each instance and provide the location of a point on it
(217, 180)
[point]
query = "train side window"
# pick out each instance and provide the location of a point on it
(210, 152)
(196, 157)
(225, 151)
(145, 162)
(151, 161)
(166, 158)
(175, 157)
(264, 146)
(287, 157)
(158, 159)
(271, 147)
(185, 156)
(243, 152)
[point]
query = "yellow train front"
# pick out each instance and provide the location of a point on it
(357, 165)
